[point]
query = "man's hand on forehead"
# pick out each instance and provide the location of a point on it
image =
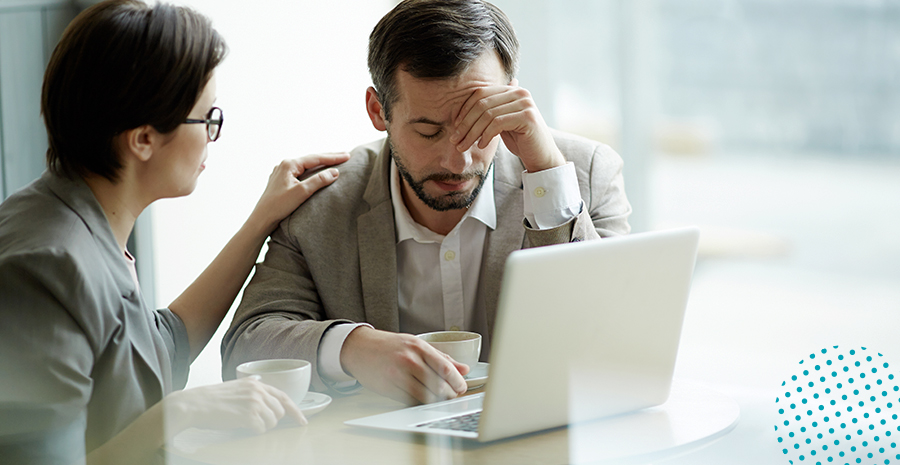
(510, 112)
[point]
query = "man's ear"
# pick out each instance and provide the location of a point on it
(514, 82)
(138, 142)
(375, 110)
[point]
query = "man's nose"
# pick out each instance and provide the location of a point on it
(455, 161)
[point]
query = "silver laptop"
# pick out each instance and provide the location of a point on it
(583, 331)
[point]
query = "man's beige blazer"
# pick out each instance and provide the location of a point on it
(334, 259)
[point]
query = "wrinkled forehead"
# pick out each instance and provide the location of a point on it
(442, 97)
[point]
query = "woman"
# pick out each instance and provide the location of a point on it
(87, 370)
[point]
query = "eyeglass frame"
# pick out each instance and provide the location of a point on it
(208, 121)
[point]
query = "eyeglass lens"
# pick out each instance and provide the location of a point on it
(214, 124)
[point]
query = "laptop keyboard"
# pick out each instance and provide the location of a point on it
(468, 422)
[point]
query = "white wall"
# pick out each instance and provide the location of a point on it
(293, 83)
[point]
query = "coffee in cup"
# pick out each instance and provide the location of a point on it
(462, 346)
(290, 376)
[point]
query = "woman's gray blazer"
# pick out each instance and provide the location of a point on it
(80, 354)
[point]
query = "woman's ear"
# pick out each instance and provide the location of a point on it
(138, 142)
(374, 109)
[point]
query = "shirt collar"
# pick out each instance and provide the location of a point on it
(482, 209)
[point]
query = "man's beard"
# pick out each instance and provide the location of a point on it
(451, 201)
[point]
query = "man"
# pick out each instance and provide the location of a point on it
(414, 235)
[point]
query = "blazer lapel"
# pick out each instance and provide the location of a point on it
(146, 342)
(509, 235)
(378, 249)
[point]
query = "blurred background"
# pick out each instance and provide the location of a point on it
(772, 125)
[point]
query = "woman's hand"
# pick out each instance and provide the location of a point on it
(242, 403)
(285, 192)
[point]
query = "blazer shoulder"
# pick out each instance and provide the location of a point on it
(337, 203)
(50, 250)
(585, 152)
(65, 278)
(35, 219)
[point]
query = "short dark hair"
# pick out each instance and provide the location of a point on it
(119, 65)
(437, 39)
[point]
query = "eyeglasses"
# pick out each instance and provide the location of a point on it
(213, 121)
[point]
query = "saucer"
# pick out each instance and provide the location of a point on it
(477, 376)
(314, 403)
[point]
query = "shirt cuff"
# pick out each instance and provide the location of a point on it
(330, 354)
(552, 197)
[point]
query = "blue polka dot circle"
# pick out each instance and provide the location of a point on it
(841, 407)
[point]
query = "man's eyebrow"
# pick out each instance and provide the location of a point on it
(425, 121)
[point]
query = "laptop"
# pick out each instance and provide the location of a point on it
(583, 331)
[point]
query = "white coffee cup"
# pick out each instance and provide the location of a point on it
(288, 375)
(462, 346)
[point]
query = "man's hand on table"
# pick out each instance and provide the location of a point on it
(510, 112)
(401, 366)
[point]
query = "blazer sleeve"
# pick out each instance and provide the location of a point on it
(175, 337)
(606, 208)
(46, 359)
(280, 314)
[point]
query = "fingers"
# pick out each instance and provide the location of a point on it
(481, 115)
(478, 99)
(280, 404)
(306, 188)
(287, 406)
(461, 367)
(294, 412)
(416, 381)
(450, 371)
(294, 168)
(411, 380)
(326, 159)
(307, 162)
(443, 378)
(272, 399)
(265, 409)
(266, 405)
(427, 386)
(507, 117)
(411, 391)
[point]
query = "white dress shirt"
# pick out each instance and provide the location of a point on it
(438, 275)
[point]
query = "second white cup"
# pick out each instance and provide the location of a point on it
(462, 346)
(288, 375)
